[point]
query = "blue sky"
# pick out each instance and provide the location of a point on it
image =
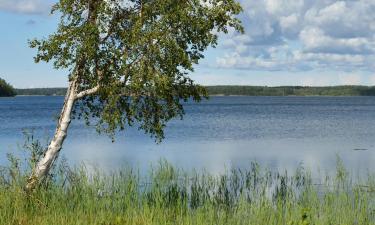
(287, 42)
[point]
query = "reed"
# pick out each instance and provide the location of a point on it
(168, 195)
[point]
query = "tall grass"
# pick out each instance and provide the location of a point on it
(168, 195)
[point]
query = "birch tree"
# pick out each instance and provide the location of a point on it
(129, 62)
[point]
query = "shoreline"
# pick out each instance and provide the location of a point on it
(222, 95)
(254, 91)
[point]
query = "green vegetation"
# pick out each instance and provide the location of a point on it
(292, 91)
(6, 90)
(129, 62)
(250, 91)
(41, 91)
(171, 196)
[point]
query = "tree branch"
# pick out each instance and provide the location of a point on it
(87, 92)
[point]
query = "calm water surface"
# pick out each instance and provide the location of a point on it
(278, 132)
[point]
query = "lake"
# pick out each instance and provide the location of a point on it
(278, 132)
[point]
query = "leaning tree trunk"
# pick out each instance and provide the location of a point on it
(45, 163)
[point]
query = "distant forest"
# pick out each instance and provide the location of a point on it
(249, 91)
(6, 90)
(292, 90)
(41, 91)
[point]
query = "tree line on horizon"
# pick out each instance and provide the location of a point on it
(292, 90)
(227, 90)
(6, 90)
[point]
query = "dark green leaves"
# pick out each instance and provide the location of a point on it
(6, 90)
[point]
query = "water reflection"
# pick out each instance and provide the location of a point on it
(217, 157)
(278, 132)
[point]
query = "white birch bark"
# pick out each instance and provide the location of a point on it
(45, 163)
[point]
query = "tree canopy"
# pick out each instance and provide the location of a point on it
(6, 90)
(131, 59)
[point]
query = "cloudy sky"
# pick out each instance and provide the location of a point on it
(287, 42)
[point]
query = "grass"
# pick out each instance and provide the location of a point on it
(168, 195)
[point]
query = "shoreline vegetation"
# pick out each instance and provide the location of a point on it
(168, 195)
(6, 90)
(229, 90)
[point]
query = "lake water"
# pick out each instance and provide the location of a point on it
(223, 132)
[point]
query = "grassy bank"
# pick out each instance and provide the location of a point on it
(167, 195)
(170, 196)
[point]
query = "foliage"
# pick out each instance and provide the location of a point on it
(138, 55)
(41, 91)
(292, 90)
(168, 195)
(23, 161)
(6, 90)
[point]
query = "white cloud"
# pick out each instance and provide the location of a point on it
(350, 79)
(288, 22)
(315, 40)
(303, 35)
(25, 6)
(235, 60)
(317, 81)
(282, 7)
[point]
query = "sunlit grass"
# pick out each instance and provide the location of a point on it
(168, 195)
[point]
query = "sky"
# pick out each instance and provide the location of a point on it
(286, 42)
